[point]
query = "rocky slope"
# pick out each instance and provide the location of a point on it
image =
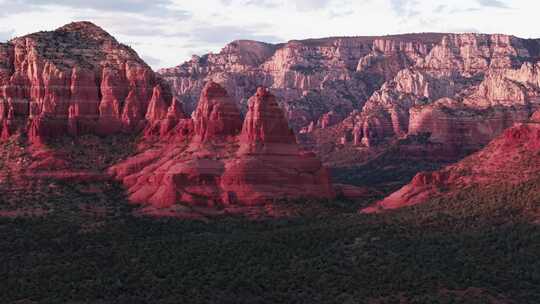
(513, 158)
(215, 160)
(442, 85)
(78, 80)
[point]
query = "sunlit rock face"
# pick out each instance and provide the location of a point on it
(75, 80)
(309, 77)
(380, 84)
(265, 127)
(217, 116)
(213, 159)
(464, 92)
(511, 158)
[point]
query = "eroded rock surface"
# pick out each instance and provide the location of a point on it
(465, 92)
(75, 80)
(381, 88)
(219, 162)
(309, 77)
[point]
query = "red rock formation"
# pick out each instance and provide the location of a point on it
(5, 133)
(310, 77)
(43, 127)
(84, 101)
(536, 117)
(176, 110)
(353, 192)
(162, 118)
(269, 164)
(158, 119)
(265, 127)
(132, 112)
(454, 124)
(512, 158)
(52, 83)
(175, 113)
(401, 84)
(113, 92)
(157, 109)
(493, 80)
(313, 77)
(215, 165)
(217, 116)
(329, 119)
(252, 179)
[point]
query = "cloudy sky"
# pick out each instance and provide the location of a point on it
(168, 32)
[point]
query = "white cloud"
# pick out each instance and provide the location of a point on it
(222, 34)
(152, 61)
(493, 3)
(6, 34)
(159, 8)
(171, 30)
(405, 8)
(308, 5)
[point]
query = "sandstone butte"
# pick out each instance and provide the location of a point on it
(76, 80)
(215, 160)
(512, 158)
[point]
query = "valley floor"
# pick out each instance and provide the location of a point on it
(479, 247)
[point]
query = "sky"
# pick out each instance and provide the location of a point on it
(166, 33)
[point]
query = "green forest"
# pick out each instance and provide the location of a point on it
(480, 246)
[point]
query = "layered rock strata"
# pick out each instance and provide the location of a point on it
(388, 87)
(75, 80)
(215, 160)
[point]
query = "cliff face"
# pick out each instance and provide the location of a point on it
(212, 160)
(465, 92)
(309, 77)
(387, 86)
(77, 79)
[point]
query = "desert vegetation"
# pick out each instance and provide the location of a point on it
(477, 247)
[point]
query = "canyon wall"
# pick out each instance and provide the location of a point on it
(380, 88)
